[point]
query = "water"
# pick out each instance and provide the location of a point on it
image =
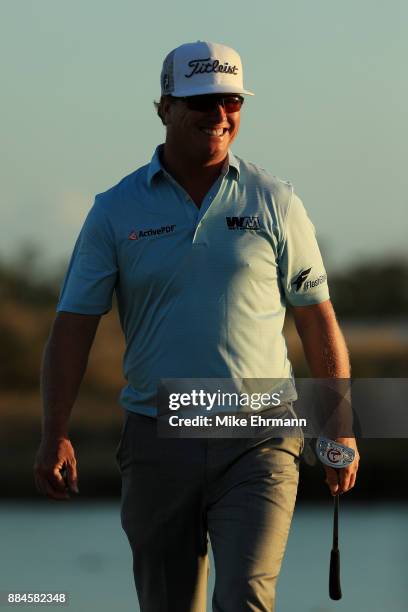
(81, 549)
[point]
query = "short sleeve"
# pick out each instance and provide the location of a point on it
(92, 272)
(302, 272)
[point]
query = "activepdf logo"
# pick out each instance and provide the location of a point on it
(164, 229)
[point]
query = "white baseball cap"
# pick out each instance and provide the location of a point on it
(200, 68)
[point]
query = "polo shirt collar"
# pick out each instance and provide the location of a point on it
(155, 167)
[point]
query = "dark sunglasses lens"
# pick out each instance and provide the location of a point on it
(232, 105)
(203, 104)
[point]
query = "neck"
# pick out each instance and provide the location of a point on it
(191, 173)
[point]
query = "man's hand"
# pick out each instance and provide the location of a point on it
(53, 456)
(343, 479)
(63, 367)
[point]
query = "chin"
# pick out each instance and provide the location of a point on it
(216, 153)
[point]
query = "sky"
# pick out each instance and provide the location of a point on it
(329, 114)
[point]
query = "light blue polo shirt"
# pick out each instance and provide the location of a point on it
(201, 292)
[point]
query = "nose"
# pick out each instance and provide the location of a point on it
(219, 111)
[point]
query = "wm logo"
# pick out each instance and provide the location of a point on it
(243, 223)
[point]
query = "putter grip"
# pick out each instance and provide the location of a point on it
(334, 577)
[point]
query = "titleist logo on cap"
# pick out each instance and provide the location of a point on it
(205, 65)
(200, 68)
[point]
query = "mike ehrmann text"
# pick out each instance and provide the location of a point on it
(253, 420)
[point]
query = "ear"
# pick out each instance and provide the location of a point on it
(166, 106)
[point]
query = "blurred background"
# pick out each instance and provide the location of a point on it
(330, 115)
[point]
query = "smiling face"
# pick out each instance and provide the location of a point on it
(201, 137)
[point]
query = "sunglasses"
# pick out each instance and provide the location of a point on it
(207, 103)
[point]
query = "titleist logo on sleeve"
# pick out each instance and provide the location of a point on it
(205, 65)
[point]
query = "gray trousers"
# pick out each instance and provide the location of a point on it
(240, 492)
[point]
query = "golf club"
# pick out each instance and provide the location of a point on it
(335, 455)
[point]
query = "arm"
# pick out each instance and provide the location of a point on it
(327, 356)
(323, 342)
(64, 364)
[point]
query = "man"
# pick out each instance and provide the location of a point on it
(203, 250)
